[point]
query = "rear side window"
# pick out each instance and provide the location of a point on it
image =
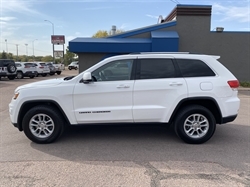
(29, 64)
(155, 69)
(194, 68)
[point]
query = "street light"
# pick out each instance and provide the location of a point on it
(26, 50)
(33, 50)
(16, 52)
(52, 35)
(6, 46)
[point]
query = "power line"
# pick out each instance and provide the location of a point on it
(175, 1)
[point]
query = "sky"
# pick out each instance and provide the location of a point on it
(22, 21)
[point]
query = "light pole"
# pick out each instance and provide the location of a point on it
(52, 35)
(16, 52)
(26, 50)
(33, 49)
(6, 46)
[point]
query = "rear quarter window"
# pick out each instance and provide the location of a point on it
(194, 68)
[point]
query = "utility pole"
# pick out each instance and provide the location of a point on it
(16, 52)
(26, 50)
(33, 50)
(6, 45)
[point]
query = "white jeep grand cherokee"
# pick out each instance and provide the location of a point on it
(192, 92)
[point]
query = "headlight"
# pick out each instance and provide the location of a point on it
(16, 95)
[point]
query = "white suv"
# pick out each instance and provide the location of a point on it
(42, 68)
(192, 92)
(26, 69)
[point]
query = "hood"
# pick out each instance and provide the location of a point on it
(45, 83)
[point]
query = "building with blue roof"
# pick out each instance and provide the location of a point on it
(186, 29)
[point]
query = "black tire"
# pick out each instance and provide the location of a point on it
(19, 75)
(48, 115)
(76, 68)
(11, 68)
(69, 68)
(195, 119)
(32, 77)
(59, 73)
(11, 77)
(44, 74)
(52, 73)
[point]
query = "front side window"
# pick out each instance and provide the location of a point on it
(156, 69)
(194, 68)
(114, 71)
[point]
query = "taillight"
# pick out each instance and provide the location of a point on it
(233, 83)
(41, 67)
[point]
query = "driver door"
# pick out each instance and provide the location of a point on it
(108, 98)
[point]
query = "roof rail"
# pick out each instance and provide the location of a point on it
(159, 53)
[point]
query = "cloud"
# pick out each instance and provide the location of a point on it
(7, 18)
(123, 26)
(232, 13)
(97, 8)
(152, 16)
(20, 6)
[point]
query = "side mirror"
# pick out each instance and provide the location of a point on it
(87, 77)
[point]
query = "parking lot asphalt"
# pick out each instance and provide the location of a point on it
(131, 155)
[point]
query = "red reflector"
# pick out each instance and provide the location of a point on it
(234, 83)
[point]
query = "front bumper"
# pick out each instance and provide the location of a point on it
(30, 73)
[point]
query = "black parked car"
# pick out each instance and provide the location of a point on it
(7, 68)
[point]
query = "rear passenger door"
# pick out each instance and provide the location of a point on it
(158, 88)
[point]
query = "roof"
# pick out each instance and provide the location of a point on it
(157, 42)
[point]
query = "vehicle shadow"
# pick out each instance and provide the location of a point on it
(147, 143)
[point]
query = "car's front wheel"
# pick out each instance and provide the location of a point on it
(43, 124)
(195, 124)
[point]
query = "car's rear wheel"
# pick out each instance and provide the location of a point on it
(43, 124)
(19, 75)
(44, 74)
(58, 72)
(69, 68)
(195, 124)
(32, 77)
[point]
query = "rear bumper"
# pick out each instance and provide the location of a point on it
(6, 74)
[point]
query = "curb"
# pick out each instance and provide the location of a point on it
(243, 89)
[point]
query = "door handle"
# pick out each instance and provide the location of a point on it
(175, 84)
(122, 86)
